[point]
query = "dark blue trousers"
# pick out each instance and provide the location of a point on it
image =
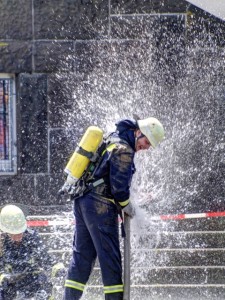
(96, 234)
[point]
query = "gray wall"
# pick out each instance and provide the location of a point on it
(60, 48)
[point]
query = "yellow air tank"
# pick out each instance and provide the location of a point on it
(80, 160)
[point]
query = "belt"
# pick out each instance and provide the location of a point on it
(103, 190)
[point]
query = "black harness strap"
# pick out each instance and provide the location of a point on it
(84, 152)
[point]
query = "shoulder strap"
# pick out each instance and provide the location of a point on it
(116, 139)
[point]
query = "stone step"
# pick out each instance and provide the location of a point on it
(182, 275)
(162, 284)
(169, 276)
(158, 240)
(58, 240)
(198, 224)
(143, 258)
(178, 240)
(178, 257)
(55, 229)
(177, 292)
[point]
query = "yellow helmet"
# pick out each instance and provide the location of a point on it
(152, 129)
(12, 220)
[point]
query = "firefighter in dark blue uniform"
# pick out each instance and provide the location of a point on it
(96, 212)
(25, 265)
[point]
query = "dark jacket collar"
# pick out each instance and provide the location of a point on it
(125, 130)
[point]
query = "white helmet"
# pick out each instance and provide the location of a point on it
(12, 220)
(152, 129)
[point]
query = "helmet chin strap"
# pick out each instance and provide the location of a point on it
(138, 137)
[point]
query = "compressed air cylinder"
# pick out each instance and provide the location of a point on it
(79, 161)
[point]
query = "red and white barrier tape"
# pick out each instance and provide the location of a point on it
(44, 223)
(189, 216)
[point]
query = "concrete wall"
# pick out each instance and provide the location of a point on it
(56, 47)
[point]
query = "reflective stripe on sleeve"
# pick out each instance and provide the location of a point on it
(74, 285)
(124, 203)
(113, 289)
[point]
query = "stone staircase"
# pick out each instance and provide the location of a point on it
(179, 260)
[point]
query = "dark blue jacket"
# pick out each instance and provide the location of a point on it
(27, 256)
(117, 166)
